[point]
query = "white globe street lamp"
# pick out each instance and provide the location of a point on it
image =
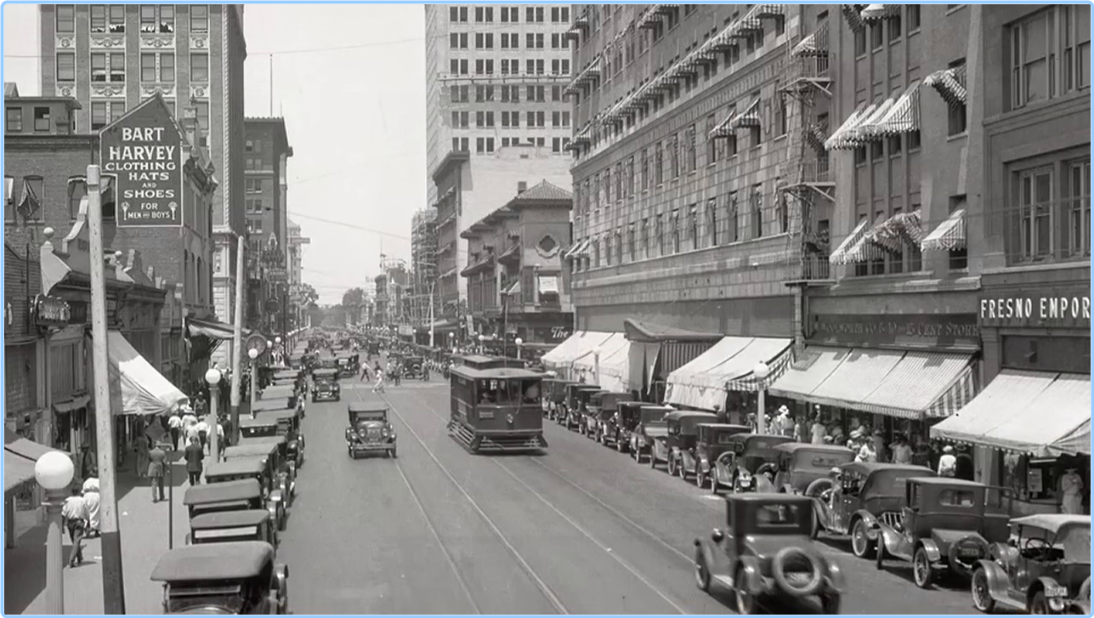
(213, 378)
(761, 371)
(482, 343)
(54, 472)
(519, 343)
(253, 354)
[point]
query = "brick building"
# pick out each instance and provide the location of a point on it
(112, 57)
(516, 286)
(24, 346)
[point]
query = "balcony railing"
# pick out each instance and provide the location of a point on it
(809, 267)
(1045, 232)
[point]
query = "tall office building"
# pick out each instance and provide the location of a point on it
(112, 57)
(496, 117)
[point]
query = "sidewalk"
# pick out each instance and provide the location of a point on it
(144, 533)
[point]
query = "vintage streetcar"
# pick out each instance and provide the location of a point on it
(496, 409)
(223, 578)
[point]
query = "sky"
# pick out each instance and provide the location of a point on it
(350, 82)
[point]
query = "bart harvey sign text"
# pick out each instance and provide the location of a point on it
(143, 152)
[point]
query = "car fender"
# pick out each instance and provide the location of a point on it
(1056, 602)
(704, 464)
(893, 539)
(836, 580)
(276, 496)
(674, 452)
(869, 519)
(934, 554)
(822, 511)
(716, 561)
(998, 580)
(754, 580)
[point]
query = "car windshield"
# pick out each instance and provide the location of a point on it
(503, 392)
(188, 597)
(820, 460)
(1070, 543)
(652, 416)
(778, 516)
(724, 437)
(262, 431)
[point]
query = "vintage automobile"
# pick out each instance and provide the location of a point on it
(800, 465)
(766, 551)
(650, 430)
(554, 397)
(325, 385)
(572, 405)
(242, 495)
(288, 395)
(680, 457)
(589, 417)
(713, 447)
(287, 377)
(369, 430)
(948, 526)
(288, 425)
(349, 365)
(617, 430)
(496, 409)
(576, 415)
(602, 425)
(1041, 569)
(414, 368)
(748, 458)
(277, 452)
(230, 526)
(256, 468)
(223, 578)
(862, 493)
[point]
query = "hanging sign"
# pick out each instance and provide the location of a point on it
(49, 311)
(143, 150)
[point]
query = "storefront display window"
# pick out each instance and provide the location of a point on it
(1038, 481)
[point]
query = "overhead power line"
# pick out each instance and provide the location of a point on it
(349, 225)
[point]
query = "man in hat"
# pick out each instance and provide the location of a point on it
(818, 431)
(1071, 492)
(947, 463)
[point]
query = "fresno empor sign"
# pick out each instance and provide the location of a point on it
(144, 151)
(1038, 310)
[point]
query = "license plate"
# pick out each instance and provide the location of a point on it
(968, 552)
(486, 414)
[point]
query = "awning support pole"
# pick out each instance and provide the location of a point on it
(113, 583)
(237, 346)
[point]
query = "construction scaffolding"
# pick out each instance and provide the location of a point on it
(423, 250)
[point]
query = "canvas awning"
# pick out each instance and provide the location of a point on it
(840, 255)
(902, 117)
(838, 140)
(899, 231)
(614, 364)
(650, 332)
(20, 456)
(814, 45)
(891, 382)
(1038, 413)
(576, 345)
(577, 250)
(949, 235)
(877, 12)
(704, 382)
(950, 84)
(144, 390)
(212, 329)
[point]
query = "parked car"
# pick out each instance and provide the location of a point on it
(650, 433)
(860, 494)
(680, 442)
(223, 578)
(571, 415)
(1043, 567)
(765, 551)
(325, 385)
(260, 469)
(601, 410)
(800, 465)
(554, 397)
(948, 525)
(714, 445)
(231, 526)
(618, 429)
(749, 457)
(580, 416)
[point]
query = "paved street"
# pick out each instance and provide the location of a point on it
(581, 529)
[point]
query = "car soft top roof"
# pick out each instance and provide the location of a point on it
(500, 373)
(368, 406)
(272, 440)
(230, 491)
(239, 465)
(770, 498)
(725, 426)
(868, 468)
(946, 481)
(266, 420)
(229, 519)
(793, 447)
(281, 414)
(1052, 522)
(291, 374)
(264, 405)
(214, 561)
(278, 390)
(250, 449)
(682, 414)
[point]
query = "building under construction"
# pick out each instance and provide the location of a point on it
(423, 258)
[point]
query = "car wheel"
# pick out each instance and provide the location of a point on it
(1038, 604)
(618, 444)
(981, 593)
(394, 453)
(746, 601)
(714, 481)
(879, 552)
(671, 467)
(860, 542)
(700, 479)
(653, 459)
(830, 604)
(921, 569)
(702, 573)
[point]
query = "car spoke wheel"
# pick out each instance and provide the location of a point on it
(921, 569)
(1038, 605)
(671, 466)
(981, 595)
(746, 601)
(702, 573)
(700, 479)
(860, 543)
(714, 481)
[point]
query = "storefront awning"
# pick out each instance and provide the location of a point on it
(657, 333)
(949, 235)
(144, 390)
(213, 329)
(577, 250)
(728, 365)
(891, 382)
(20, 456)
(614, 364)
(1038, 413)
(576, 345)
(75, 403)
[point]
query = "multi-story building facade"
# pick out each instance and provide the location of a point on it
(295, 269)
(423, 259)
(515, 271)
(112, 57)
(267, 151)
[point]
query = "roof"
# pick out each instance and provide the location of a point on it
(869, 467)
(230, 491)
(250, 449)
(544, 192)
(278, 390)
(654, 406)
(656, 333)
(368, 406)
(1052, 522)
(245, 441)
(278, 415)
(506, 373)
(679, 414)
(262, 421)
(329, 371)
(765, 497)
(266, 405)
(287, 374)
(242, 465)
(947, 482)
(229, 519)
(213, 561)
(722, 426)
(805, 446)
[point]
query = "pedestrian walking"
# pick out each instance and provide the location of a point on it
(365, 377)
(174, 425)
(203, 432)
(156, 466)
(92, 500)
(195, 454)
(947, 463)
(379, 387)
(74, 517)
(902, 451)
(398, 375)
(141, 446)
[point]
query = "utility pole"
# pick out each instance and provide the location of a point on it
(237, 345)
(113, 582)
(431, 320)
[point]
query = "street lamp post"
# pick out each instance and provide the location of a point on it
(253, 355)
(761, 371)
(280, 353)
(54, 471)
(596, 364)
(519, 343)
(482, 344)
(452, 341)
(213, 378)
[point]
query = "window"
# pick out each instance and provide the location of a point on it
(781, 113)
(959, 258)
(658, 165)
(913, 140)
(98, 18)
(877, 36)
(66, 67)
(1035, 212)
(41, 119)
(877, 151)
(66, 18)
(1032, 51)
(675, 231)
(895, 28)
(712, 221)
(98, 115)
(894, 145)
(117, 110)
(77, 190)
(1078, 208)
(757, 211)
(202, 108)
(157, 18)
(957, 114)
(167, 67)
(148, 67)
(199, 67)
(860, 42)
(1076, 39)
(199, 18)
(14, 120)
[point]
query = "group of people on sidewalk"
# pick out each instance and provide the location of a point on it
(80, 515)
(188, 430)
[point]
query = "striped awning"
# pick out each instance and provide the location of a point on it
(583, 136)
(895, 383)
(815, 135)
(899, 231)
(948, 236)
(839, 255)
(1042, 414)
(650, 17)
(950, 84)
(851, 13)
(814, 45)
(578, 250)
(867, 248)
(902, 117)
(749, 118)
(838, 140)
(878, 12)
(767, 11)
(868, 130)
(704, 382)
